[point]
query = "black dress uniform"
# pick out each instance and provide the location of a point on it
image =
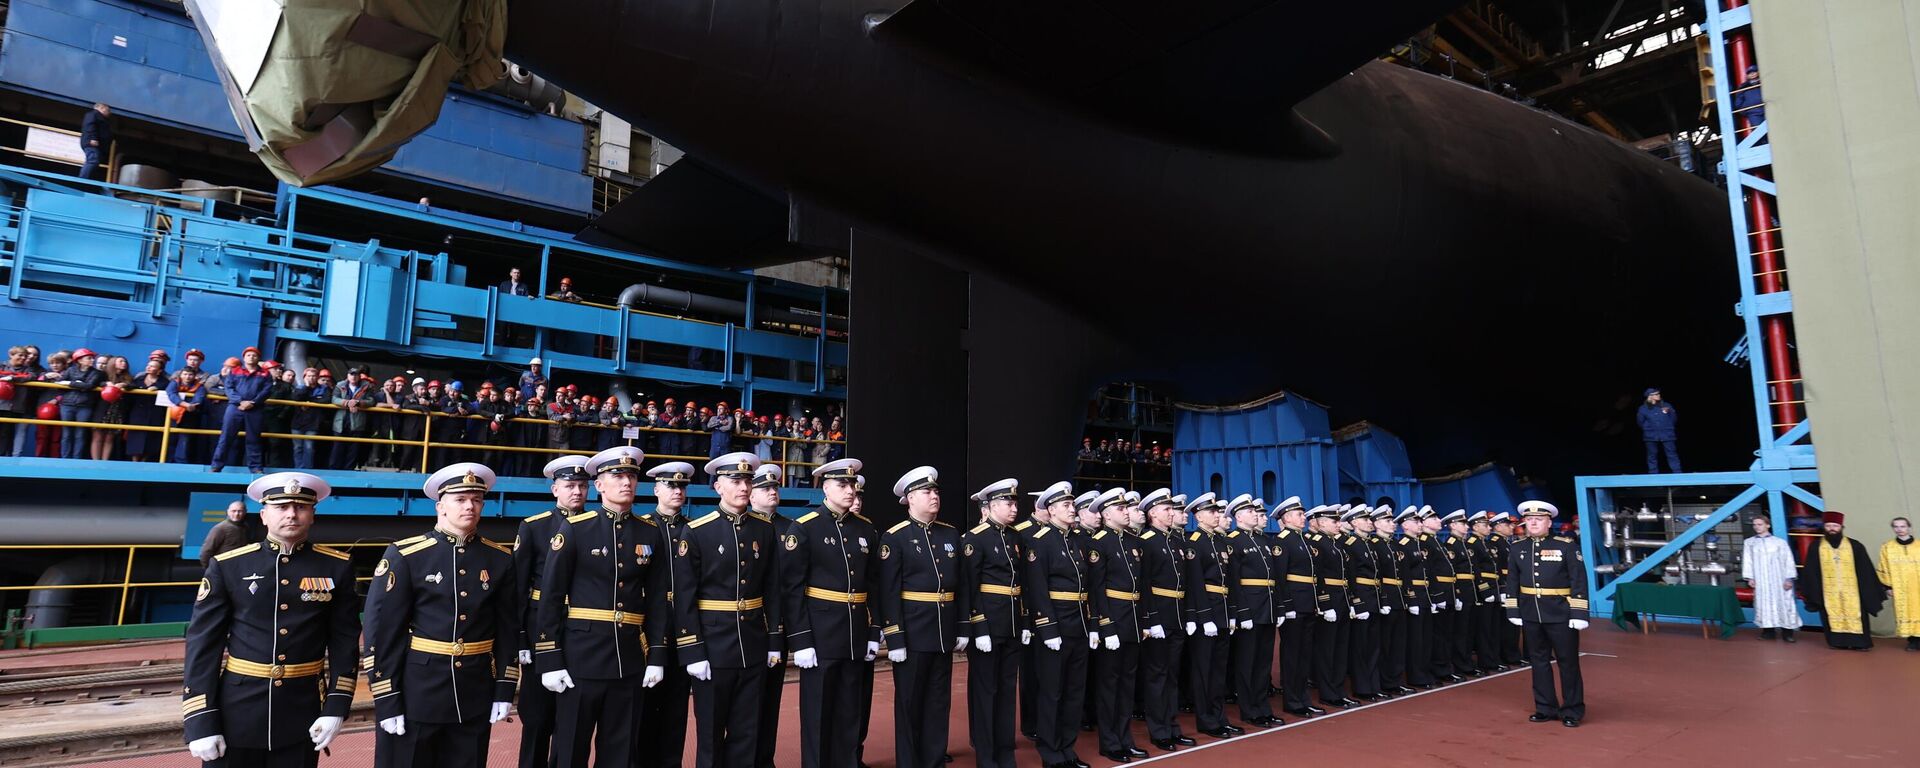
(273, 645)
(1056, 586)
(443, 630)
(1114, 592)
(1390, 623)
(1441, 586)
(774, 683)
(1419, 624)
(1296, 636)
(602, 606)
(663, 708)
(1330, 637)
(1029, 675)
(1207, 602)
(829, 563)
(1509, 635)
(990, 561)
(1468, 590)
(920, 610)
(1547, 588)
(1487, 619)
(725, 563)
(1363, 638)
(1258, 595)
(1164, 562)
(529, 564)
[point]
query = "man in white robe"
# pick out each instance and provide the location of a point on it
(1767, 565)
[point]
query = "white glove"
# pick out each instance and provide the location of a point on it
(1386, 609)
(323, 730)
(1157, 632)
(896, 655)
(208, 749)
(1329, 615)
(1503, 597)
(556, 681)
(873, 650)
(773, 659)
(500, 711)
(959, 644)
(526, 656)
(1113, 642)
(700, 670)
(1491, 598)
(396, 725)
(1052, 644)
(1438, 607)
(1246, 623)
(984, 643)
(1212, 630)
(1413, 609)
(1459, 605)
(653, 676)
(1093, 639)
(1577, 623)
(1292, 615)
(1190, 629)
(1363, 615)
(1026, 637)
(806, 658)
(1515, 622)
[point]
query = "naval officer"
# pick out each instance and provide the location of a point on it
(1547, 598)
(920, 611)
(567, 477)
(764, 501)
(663, 708)
(829, 562)
(990, 562)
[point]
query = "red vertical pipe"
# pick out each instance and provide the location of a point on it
(1768, 260)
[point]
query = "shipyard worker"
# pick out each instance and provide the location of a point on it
(567, 478)
(663, 708)
(272, 648)
(1766, 563)
(512, 285)
(443, 631)
(532, 378)
(1657, 419)
(247, 385)
(565, 293)
(1547, 598)
(1900, 572)
(1839, 583)
(830, 567)
(96, 137)
(227, 535)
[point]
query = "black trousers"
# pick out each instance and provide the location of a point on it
(830, 710)
(597, 718)
(1158, 671)
(1061, 677)
(1510, 651)
(1029, 688)
(1466, 626)
(1486, 636)
(769, 734)
(866, 710)
(663, 720)
(990, 697)
(1296, 659)
(433, 745)
(1204, 656)
(726, 711)
(1419, 656)
(1253, 653)
(922, 698)
(1440, 640)
(537, 706)
(1363, 655)
(1392, 629)
(301, 755)
(1546, 643)
(1330, 656)
(1114, 673)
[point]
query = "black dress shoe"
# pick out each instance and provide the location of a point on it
(1219, 733)
(1475, 673)
(1428, 686)
(1376, 697)
(1233, 729)
(1570, 722)
(1501, 667)
(1077, 764)
(1539, 718)
(945, 758)
(1272, 722)
(1455, 679)
(1136, 752)
(1118, 757)
(1165, 745)
(1300, 712)
(1401, 690)
(1185, 741)
(1342, 702)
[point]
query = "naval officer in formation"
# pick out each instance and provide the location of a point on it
(567, 480)
(830, 565)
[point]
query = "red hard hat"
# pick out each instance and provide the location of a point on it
(195, 353)
(50, 410)
(325, 374)
(110, 393)
(432, 384)
(159, 354)
(81, 352)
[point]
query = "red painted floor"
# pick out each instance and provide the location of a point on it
(1664, 699)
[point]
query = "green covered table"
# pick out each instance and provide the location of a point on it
(1699, 601)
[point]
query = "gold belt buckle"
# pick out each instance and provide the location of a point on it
(276, 671)
(459, 648)
(616, 616)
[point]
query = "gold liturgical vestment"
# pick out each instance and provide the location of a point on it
(1900, 571)
(1839, 590)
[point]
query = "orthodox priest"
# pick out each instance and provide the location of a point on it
(1900, 573)
(1767, 566)
(1841, 585)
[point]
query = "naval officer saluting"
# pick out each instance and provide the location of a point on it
(443, 620)
(272, 647)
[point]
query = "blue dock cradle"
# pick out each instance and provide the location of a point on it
(1374, 465)
(1489, 486)
(1273, 448)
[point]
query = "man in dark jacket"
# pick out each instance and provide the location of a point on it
(247, 388)
(229, 534)
(1657, 419)
(96, 136)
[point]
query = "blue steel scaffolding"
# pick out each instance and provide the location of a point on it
(1783, 467)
